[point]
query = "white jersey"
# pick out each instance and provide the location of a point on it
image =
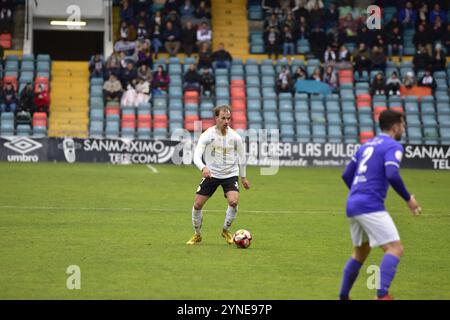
(223, 154)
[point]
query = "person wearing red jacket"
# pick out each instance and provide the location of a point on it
(42, 100)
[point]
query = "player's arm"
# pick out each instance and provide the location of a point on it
(392, 171)
(349, 172)
(198, 153)
(240, 148)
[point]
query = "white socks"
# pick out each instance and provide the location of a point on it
(197, 218)
(231, 215)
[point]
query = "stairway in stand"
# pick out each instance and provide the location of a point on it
(69, 99)
(230, 26)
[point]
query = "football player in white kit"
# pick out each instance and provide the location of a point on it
(223, 152)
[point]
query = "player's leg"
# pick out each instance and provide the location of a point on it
(231, 190)
(383, 233)
(361, 250)
(205, 190)
(393, 251)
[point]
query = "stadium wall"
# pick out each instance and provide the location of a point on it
(123, 151)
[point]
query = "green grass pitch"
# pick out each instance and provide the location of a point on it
(126, 228)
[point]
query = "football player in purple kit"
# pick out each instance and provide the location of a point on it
(375, 165)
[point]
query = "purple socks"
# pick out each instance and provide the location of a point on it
(351, 271)
(388, 267)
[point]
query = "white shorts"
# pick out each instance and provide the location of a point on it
(378, 228)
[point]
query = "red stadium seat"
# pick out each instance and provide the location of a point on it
(377, 110)
(207, 123)
(39, 119)
(191, 97)
(237, 93)
(239, 125)
(6, 41)
(112, 110)
(41, 81)
(12, 79)
(160, 121)
(189, 122)
(238, 104)
(365, 136)
(237, 83)
(363, 100)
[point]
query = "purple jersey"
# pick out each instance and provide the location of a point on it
(370, 184)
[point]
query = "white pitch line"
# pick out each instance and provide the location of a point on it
(435, 213)
(152, 168)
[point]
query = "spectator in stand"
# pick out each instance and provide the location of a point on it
(170, 6)
(272, 22)
(112, 67)
(409, 80)
(129, 97)
(302, 31)
(421, 60)
(26, 101)
(270, 6)
(191, 79)
(6, 20)
(189, 37)
(378, 85)
(437, 12)
(422, 14)
(171, 37)
(446, 39)
(364, 36)
(290, 22)
(330, 77)
(156, 20)
(221, 58)
(2, 53)
(42, 100)
(204, 35)
(329, 56)
(300, 74)
(156, 40)
(126, 12)
(344, 54)
(142, 5)
(272, 42)
(8, 100)
(187, 10)
(395, 43)
(299, 10)
(96, 66)
(112, 89)
(427, 80)
(437, 30)
(348, 29)
(287, 39)
(142, 31)
(439, 59)
(378, 59)
(128, 74)
(317, 74)
(127, 32)
(408, 15)
(144, 72)
(284, 81)
(361, 58)
(203, 12)
(161, 81)
(422, 38)
(331, 16)
(126, 46)
(204, 57)
(143, 90)
(378, 39)
(208, 83)
(175, 19)
(317, 40)
(393, 84)
(394, 23)
(145, 55)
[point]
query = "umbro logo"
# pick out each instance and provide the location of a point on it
(22, 145)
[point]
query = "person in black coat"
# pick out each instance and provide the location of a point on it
(26, 101)
(188, 38)
(272, 42)
(192, 79)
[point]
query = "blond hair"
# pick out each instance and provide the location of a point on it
(224, 107)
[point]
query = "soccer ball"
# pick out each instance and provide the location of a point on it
(242, 238)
